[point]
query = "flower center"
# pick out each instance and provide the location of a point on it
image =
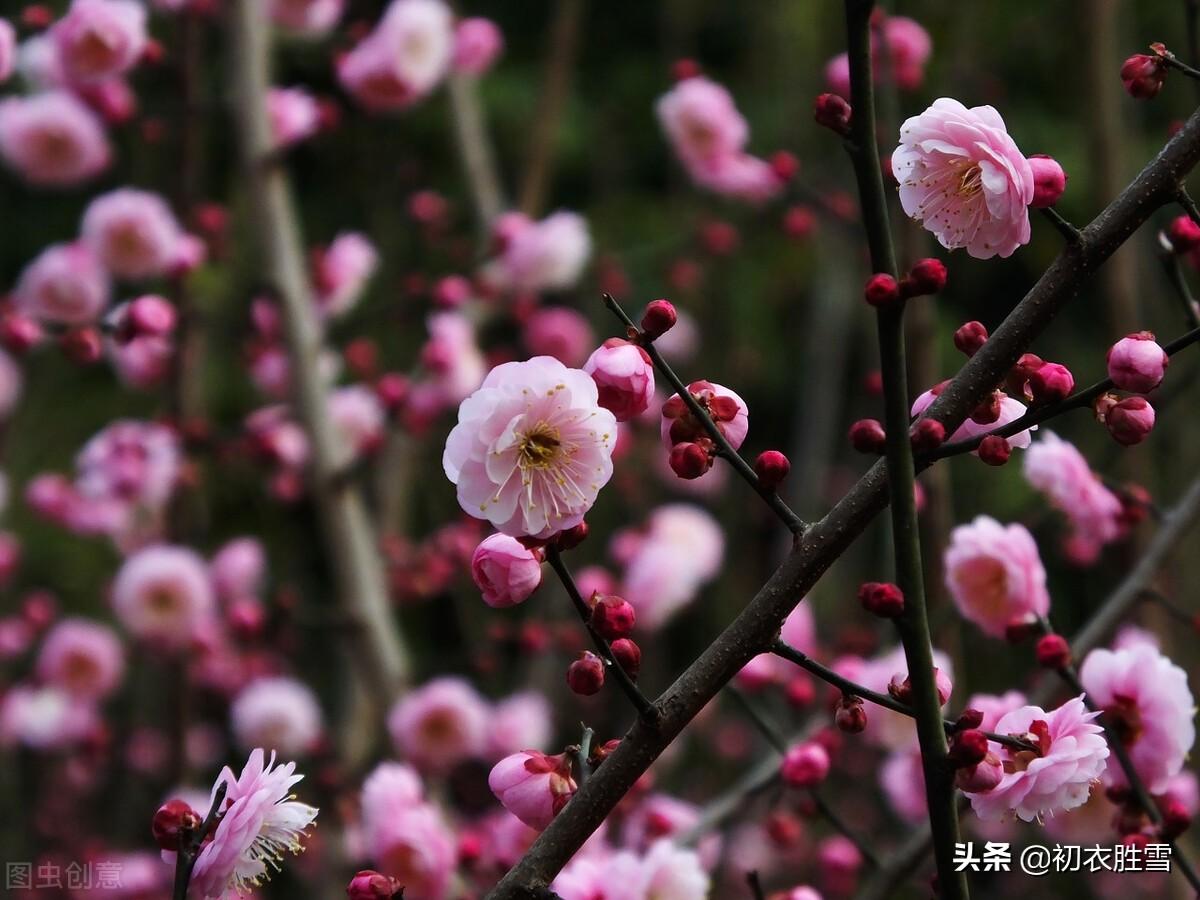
(1039, 736)
(539, 447)
(970, 182)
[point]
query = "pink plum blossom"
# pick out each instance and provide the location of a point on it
(342, 270)
(83, 658)
(162, 595)
(729, 410)
(1147, 703)
(8, 50)
(995, 575)
(1137, 363)
(403, 59)
(262, 821)
(672, 873)
(682, 549)
(1071, 756)
(65, 285)
(532, 448)
(963, 178)
(389, 787)
(277, 713)
(44, 717)
(309, 18)
(561, 332)
(358, 417)
(624, 377)
(99, 39)
(142, 362)
(51, 139)
(533, 786)
(478, 43)
(505, 571)
(133, 232)
(1057, 469)
(238, 569)
(294, 114)
(416, 846)
(1011, 409)
(439, 724)
(548, 255)
(902, 778)
(522, 720)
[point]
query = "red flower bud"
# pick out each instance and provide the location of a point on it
(927, 276)
(81, 346)
(968, 718)
(881, 599)
(1130, 421)
(1184, 234)
(988, 410)
(572, 537)
(805, 765)
(19, 333)
(1175, 820)
(832, 112)
(1049, 180)
(628, 656)
(881, 290)
(867, 436)
(1143, 75)
(658, 319)
(1053, 652)
(683, 69)
(612, 616)
(689, 460)
(586, 674)
(968, 748)
(850, 716)
(371, 885)
(994, 450)
(927, 434)
(970, 337)
(1050, 383)
(771, 467)
(172, 822)
(784, 165)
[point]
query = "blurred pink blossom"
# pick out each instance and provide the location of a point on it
(65, 285)
(478, 43)
(133, 232)
(995, 575)
(278, 713)
(294, 114)
(439, 724)
(403, 59)
(98, 39)
(1057, 469)
(83, 657)
(162, 595)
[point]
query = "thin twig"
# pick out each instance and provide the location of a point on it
(185, 857)
(1184, 199)
(724, 448)
(756, 888)
(644, 707)
(1069, 232)
(1170, 262)
(582, 754)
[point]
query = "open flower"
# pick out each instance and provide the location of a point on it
(439, 724)
(279, 712)
(133, 233)
(1058, 776)
(532, 448)
(99, 39)
(260, 824)
(1057, 469)
(533, 786)
(82, 657)
(162, 594)
(403, 59)
(1147, 703)
(963, 178)
(65, 285)
(995, 575)
(52, 139)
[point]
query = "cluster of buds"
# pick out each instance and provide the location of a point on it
(1143, 74)
(1129, 420)
(833, 112)
(927, 276)
(1039, 381)
(692, 449)
(977, 768)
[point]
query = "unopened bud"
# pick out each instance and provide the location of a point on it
(881, 290)
(1049, 181)
(994, 450)
(970, 337)
(868, 436)
(658, 319)
(832, 112)
(1053, 652)
(585, 675)
(771, 467)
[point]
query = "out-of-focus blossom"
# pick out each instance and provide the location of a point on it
(560, 332)
(908, 47)
(454, 363)
(902, 778)
(1147, 703)
(8, 50)
(548, 255)
(341, 272)
(403, 59)
(294, 113)
(142, 362)
(413, 844)
(522, 720)
(533, 786)
(532, 448)
(1071, 756)
(478, 43)
(262, 822)
(83, 658)
(440, 724)
(358, 417)
(280, 714)
(505, 570)
(44, 718)
(995, 575)
(65, 285)
(100, 39)
(132, 232)
(1057, 469)
(10, 389)
(237, 570)
(309, 18)
(162, 595)
(963, 178)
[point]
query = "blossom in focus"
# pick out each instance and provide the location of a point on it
(1057, 469)
(83, 657)
(162, 595)
(341, 272)
(439, 724)
(1148, 704)
(963, 178)
(276, 713)
(532, 448)
(533, 786)
(546, 255)
(1137, 363)
(294, 114)
(403, 59)
(310, 18)
(100, 39)
(1011, 409)
(262, 822)
(1071, 756)
(132, 232)
(505, 570)
(478, 43)
(65, 285)
(624, 377)
(725, 408)
(995, 575)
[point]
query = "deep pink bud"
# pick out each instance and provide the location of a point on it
(173, 820)
(683, 69)
(371, 885)
(1175, 820)
(927, 276)
(392, 390)
(980, 778)
(571, 537)
(927, 434)
(970, 337)
(612, 616)
(1137, 363)
(628, 656)
(81, 346)
(659, 318)
(586, 674)
(771, 467)
(151, 315)
(850, 716)
(833, 113)
(994, 450)
(968, 748)
(1184, 234)
(689, 460)
(805, 765)
(19, 333)
(968, 718)
(1130, 421)
(1053, 652)
(868, 436)
(1049, 180)
(1050, 383)
(881, 599)
(624, 377)
(881, 290)
(1143, 75)
(784, 165)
